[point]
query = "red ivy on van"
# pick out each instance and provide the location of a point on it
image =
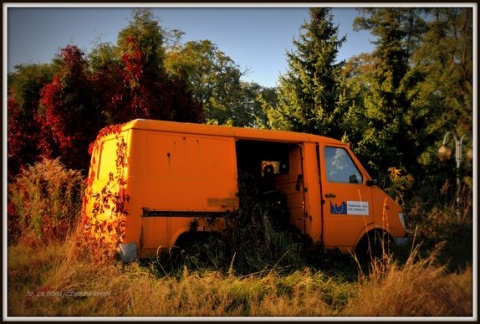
(103, 226)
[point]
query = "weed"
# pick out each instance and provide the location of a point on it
(44, 202)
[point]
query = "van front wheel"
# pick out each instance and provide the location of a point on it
(374, 245)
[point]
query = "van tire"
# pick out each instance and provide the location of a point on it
(191, 249)
(374, 245)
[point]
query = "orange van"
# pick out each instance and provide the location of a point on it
(150, 180)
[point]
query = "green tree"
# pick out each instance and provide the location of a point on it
(309, 91)
(149, 39)
(413, 88)
(107, 77)
(388, 135)
(249, 111)
(267, 97)
(445, 96)
(213, 77)
(144, 94)
(355, 78)
(445, 57)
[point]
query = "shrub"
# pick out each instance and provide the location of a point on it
(44, 202)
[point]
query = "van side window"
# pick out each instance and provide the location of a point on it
(340, 167)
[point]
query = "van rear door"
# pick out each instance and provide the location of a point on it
(347, 207)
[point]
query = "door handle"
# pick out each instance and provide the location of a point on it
(330, 195)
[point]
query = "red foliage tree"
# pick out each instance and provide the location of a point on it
(80, 99)
(145, 93)
(185, 107)
(22, 125)
(70, 120)
(21, 138)
(148, 92)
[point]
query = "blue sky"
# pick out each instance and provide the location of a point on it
(256, 38)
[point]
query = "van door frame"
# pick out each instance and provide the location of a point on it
(303, 188)
(320, 196)
(342, 224)
(312, 192)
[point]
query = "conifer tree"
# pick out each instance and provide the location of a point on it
(309, 91)
(388, 132)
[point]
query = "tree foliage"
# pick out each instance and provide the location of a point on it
(413, 88)
(57, 110)
(69, 112)
(445, 96)
(309, 91)
(394, 105)
(213, 77)
(445, 58)
(387, 135)
(148, 91)
(22, 106)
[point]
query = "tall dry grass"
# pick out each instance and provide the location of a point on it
(44, 202)
(420, 287)
(54, 282)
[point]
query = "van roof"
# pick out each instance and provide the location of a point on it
(228, 131)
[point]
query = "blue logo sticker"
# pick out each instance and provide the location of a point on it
(342, 209)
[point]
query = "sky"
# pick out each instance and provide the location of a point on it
(255, 38)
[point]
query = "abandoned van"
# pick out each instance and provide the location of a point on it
(149, 180)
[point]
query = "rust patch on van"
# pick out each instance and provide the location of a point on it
(223, 202)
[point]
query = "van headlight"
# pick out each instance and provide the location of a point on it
(401, 217)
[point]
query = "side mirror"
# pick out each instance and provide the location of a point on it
(353, 178)
(372, 182)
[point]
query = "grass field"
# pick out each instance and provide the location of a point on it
(51, 281)
(46, 276)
